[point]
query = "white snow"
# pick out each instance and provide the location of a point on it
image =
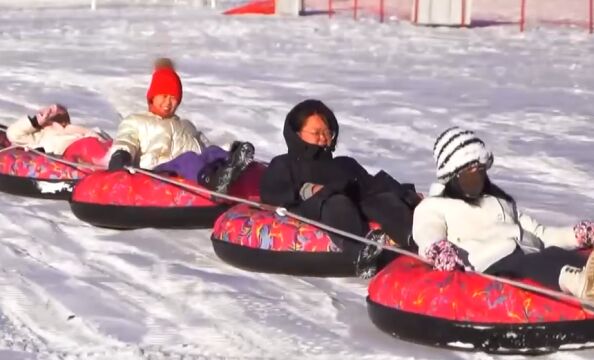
(461, 345)
(69, 290)
(576, 346)
(48, 187)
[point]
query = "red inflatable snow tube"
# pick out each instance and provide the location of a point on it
(121, 200)
(468, 312)
(28, 173)
(263, 241)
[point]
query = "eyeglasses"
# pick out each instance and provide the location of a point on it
(328, 134)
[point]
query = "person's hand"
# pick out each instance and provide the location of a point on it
(317, 188)
(119, 160)
(584, 233)
(444, 256)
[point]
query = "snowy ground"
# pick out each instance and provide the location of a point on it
(69, 291)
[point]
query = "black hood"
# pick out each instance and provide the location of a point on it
(295, 119)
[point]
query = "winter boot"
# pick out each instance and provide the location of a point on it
(572, 280)
(366, 264)
(242, 154)
(578, 282)
(589, 272)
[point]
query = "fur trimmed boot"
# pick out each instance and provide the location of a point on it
(242, 154)
(578, 282)
(366, 265)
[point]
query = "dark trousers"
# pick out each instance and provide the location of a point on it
(392, 214)
(340, 212)
(543, 267)
(390, 204)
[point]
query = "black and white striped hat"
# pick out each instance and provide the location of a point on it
(457, 148)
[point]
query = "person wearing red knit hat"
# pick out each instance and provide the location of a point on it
(165, 91)
(159, 140)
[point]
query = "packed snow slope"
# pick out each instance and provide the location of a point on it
(69, 290)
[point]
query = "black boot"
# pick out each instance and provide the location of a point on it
(242, 154)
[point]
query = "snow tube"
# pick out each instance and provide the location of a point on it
(261, 7)
(27, 173)
(121, 200)
(263, 241)
(469, 312)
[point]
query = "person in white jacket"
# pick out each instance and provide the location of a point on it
(50, 129)
(469, 222)
(159, 140)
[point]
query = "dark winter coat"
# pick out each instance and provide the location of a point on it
(380, 197)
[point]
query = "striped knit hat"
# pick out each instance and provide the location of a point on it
(454, 150)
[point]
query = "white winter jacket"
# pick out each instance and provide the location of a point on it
(53, 138)
(152, 140)
(487, 232)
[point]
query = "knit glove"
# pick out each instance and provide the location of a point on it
(444, 256)
(584, 233)
(53, 113)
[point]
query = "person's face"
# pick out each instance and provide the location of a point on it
(471, 180)
(164, 105)
(315, 131)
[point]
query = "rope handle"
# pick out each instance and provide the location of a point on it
(83, 167)
(11, 147)
(587, 305)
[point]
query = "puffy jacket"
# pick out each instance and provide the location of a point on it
(53, 138)
(304, 163)
(379, 197)
(152, 140)
(487, 232)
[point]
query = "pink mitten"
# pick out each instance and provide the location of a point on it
(444, 256)
(53, 113)
(584, 233)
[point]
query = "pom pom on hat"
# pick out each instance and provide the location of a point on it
(161, 63)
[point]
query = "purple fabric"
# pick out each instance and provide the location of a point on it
(190, 165)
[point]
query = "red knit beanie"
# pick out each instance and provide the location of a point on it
(165, 81)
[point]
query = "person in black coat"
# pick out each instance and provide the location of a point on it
(337, 191)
